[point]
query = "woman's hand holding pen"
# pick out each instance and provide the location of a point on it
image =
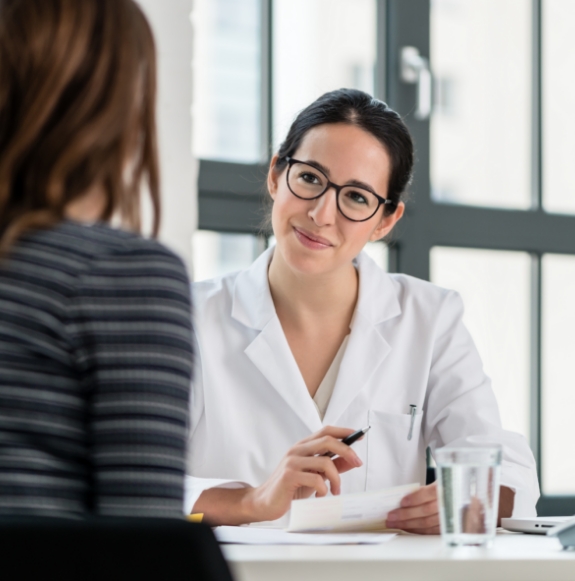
(304, 470)
(418, 512)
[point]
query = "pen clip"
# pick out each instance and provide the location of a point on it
(413, 412)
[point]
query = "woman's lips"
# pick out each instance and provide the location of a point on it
(311, 241)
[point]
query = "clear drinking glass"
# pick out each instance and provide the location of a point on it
(468, 492)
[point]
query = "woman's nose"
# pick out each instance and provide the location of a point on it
(324, 209)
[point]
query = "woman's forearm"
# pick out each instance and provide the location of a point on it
(226, 506)
(235, 506)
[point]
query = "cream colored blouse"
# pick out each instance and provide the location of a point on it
(325, 390)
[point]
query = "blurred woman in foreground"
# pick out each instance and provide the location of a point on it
(95, 350)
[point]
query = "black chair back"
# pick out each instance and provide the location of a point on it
(110, 549)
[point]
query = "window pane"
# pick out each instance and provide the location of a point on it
(558, 373)
(495, 288)
(558, 61)
(319, 45)
(227, 100)
(481, 125)
(216, 253)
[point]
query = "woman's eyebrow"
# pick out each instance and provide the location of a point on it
(325, 170)
(318, 165)
(359, 184)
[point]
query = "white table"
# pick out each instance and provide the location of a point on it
(513, 557)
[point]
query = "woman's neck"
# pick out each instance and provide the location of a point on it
(301, 297)
(89, 207)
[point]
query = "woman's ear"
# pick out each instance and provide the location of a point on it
(387, 223)
(273, 177)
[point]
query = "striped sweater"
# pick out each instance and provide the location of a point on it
(95, 368)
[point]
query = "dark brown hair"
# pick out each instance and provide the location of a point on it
(355, 107)
(77, 110)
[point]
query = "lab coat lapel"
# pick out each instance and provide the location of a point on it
(367, 347)
(365, 352)
(269, 351)
(271, 354)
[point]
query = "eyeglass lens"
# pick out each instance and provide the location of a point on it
(355, 203)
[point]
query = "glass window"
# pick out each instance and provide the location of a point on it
(481, 125)
(558, 64)
(558, 374)
(319, 45)
(495, 288)
(217, 253)
(227, 80)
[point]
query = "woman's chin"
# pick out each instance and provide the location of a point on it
(305, 261)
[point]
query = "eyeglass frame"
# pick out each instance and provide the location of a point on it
(330, 184)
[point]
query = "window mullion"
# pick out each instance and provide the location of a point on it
(536, 106)
(266, 71)
(535, 395)
(380, 88)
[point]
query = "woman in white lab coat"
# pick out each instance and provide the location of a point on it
(315, 341)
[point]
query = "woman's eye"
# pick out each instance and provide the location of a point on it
(309, 178)
(356, 197)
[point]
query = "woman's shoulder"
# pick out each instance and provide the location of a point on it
(426, 299)
(90, 241)
(216, 291)
(387, 295)
(103, 240)
(413, 287)
(99, 244)
(103, 256)
(407, 289)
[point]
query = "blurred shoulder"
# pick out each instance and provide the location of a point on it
(104, 247)
(107, 260)
(214, 291)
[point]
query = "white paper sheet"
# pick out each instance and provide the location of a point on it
(261, 536)
(348, 512)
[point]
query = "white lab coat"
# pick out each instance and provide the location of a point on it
(407, 345)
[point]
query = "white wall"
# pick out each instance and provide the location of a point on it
(170, 20)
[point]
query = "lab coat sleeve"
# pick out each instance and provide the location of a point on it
(461, 408)
(193, 486)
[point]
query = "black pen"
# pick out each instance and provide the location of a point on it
(349, 440)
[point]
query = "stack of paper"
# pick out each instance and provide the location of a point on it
(362, 511)
(262, 536)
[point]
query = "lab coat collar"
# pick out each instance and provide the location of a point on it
(253, 305)
(270, 353)
(377, 300)
(252, 301)
(367, 347)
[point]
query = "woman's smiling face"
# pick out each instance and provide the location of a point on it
(312, 235)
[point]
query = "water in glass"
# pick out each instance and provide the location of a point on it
(468, 491)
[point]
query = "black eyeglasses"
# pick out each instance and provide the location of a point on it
(355, 203)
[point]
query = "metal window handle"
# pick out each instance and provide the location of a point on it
(415, 70)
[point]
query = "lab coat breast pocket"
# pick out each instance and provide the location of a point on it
(392, 459)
